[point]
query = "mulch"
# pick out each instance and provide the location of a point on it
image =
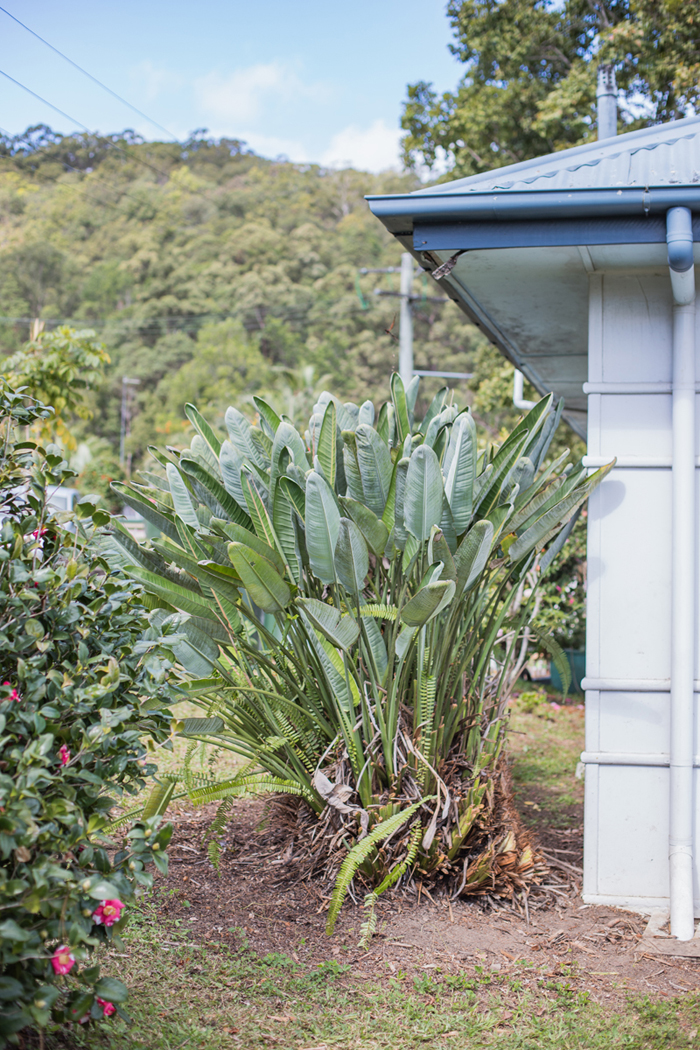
(259, 897)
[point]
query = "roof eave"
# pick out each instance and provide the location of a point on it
(399, 212)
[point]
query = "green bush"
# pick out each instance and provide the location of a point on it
(351, 605)
(79, 689)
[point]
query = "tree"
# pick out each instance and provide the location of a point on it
(57, 368)
(530, 81)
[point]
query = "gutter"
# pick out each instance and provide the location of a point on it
(399, 212)
(679, 237)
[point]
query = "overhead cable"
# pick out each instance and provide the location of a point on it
(94, 79)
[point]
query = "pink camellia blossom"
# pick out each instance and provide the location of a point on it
(107, 1007)
(107, 913)
(14, 695)
(64, 754)
(38, 533)
(63, 960)
(555, 705)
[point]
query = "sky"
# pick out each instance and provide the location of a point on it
(312, 80)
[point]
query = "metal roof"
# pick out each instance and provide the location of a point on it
(664, 155)
(521, 242)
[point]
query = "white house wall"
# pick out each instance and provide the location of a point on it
(629, 596)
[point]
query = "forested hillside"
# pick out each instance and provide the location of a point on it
(211, 274)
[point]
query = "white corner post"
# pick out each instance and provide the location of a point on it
(606, 95)
(406, 320)
(679, 237)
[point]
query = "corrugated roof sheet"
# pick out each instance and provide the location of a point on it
(665, 155)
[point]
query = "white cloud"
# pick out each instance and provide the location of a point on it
(273, 146)
(244, 94)
(153, 82)
(375, 148)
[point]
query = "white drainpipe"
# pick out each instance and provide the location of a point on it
(518, 400)
(679, 236)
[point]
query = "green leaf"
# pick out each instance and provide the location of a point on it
(237, 534)
(227, 502)
(203, 429)
(376, 645)
(372, 528)
(341, 631)
(460, 471)
(327, 449)
(159, 799)
(182, 501)
(258, 512)
(267, 413)
(424, 492)
(164, 522)
(561, 512)
(351, 556)
(438, 550)
(241, 435)
(10, 989)
(202, 726)
(428, 602)
(351, 466)
(260, 578)
(472, 555)
(101, 890)
(112, 990)
(434, 409)
(375, 466)
(295, 495)
(398, 396)
(322, 527)
(232, 463)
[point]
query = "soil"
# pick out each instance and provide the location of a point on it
(258, 899)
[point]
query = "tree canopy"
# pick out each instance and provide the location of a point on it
(209, 274)
(529, 86)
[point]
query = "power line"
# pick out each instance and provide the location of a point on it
(45, 101)
(113, 145)
(85, 72)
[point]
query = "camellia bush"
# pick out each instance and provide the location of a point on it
(79, 691)
(351, 604)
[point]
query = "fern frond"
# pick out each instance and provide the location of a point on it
(360, 852)
(379, 612)
(370, 924)
(217, 827)
(236, 787)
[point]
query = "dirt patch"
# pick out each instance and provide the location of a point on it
(258, 899)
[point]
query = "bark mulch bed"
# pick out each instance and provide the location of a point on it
(260, 899)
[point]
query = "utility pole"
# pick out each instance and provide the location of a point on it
(406, 320)
(405, 294)
(128, 392)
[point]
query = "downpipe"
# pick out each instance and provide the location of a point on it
(679, 237)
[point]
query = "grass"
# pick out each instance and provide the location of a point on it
(213, 997)
(545, 744)
(217, 995)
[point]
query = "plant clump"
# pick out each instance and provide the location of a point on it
(350, 605)
(74, 679)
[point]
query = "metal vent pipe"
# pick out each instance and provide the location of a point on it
(679, 236)
(606, 95)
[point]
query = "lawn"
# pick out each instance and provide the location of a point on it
(193, 987)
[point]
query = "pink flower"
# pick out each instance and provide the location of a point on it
(38, 533)
(107, 1008)
(63, 960)
(65, 755)
(107, 913)
(555, 705)
(14, 695)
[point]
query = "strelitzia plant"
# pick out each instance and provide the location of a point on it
(349, 604)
